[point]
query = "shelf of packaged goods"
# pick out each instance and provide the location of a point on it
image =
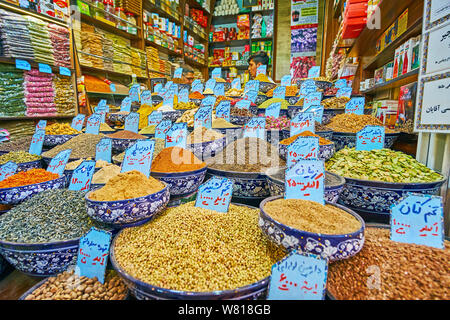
(262, 39)
(94, 93)
(37, 117)
(93, 69)
(231, 43)
(162, 12)
(262, 11)
(194, 4)
(109, 59)
(228, 67)
(17, 9)
(196, 35)
(159, 72)
(388, 53)
(108, 27)
(227, 19)
(402, 80)
(33, 64)
(161, 48)
(194, 63)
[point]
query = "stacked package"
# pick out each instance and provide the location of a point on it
(39, 94)
(14, 36)
(152, 59)
(139, 62)
(108, 53)
(60, 39)
(91, 42)
(11, 91)
(40, 40)
(122, 53)
(64, 95)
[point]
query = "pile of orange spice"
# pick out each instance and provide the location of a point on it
(196, 95)
(28, 177)
(322, 141)
(176, 159)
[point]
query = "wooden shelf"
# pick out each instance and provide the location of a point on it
(33, 64)
(231, 43)
(261, 39)
(402, 80)
(20, 10)
(107, 27)
(39, 117)
(263, 12)
(228, 67)
(228, 19)
(161, 48)
(153, 8)
(194, 63)
(388, 53)
(106, 93)
(93, 69)
(194, 4)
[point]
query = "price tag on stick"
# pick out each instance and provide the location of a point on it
(223, 110)
(82, 176)
(37, 142)
(41, 125)
(23, 65)
(210, 84)
(370, 138)
(341, 83)
(299, 276)
(162, 128)
(178, 72)
(255, 128)
(318, 112)
(303, 148)
(208, 101)
(344, 92)
(7, 170)
(243, 104)
(126, 104)
(93, 251)
(103, 150)
(183, 95)
(312, 99)
(219, 89)
(154, 118)
(45, 68)
(306, 180)
(314, 72)
(93, 123)
(215, 194)
(273, 110)
(139, 157)
(58, 163)
(355, 105)
(146, 98)
(418, 219)
(236, 84)
(251, 95)
(279, 92)
(132, 122)
(262, 69)
(77, 122)
(203, 117)
(303, 121)
(286, 80)
(252, 85)
(177, 135)
(216, 73)
(134, 92)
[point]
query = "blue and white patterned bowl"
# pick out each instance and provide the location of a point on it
(129, 212)
(156, 100)
(327, 246)
(293, 110)
(52, 140)
(247, 185)
(260, 98)
(40, 259)
(274, 136)
(321, 85)
(177, 201)
(144, 291)
(266, 86)
(326, 151)
(120, 145)
(117, 118)
(292, 99)
(16, 195)
(181, 183)
(239, 120)
(197, 102)
(376, 197)
(329, 114)
(205, 150)
(231, 134)
(25, 166)
(346, 139)
(172, 115)
(333, 184)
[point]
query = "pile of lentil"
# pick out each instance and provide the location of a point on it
(176, 159)
(406, 271)
(19, 144)
(322, 141)
(127, 185)
(380, 165)
(18, 157)
(246, 155)
(51, 215)
(126, 134)
(202, 134)
(25, 178)
(83, 146)
(60, 128)
(311, 216)
(352, 123)
(194, 249)
(69, 286)
(159, 145)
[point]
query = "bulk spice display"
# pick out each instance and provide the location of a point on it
(25, 178)
(176, 159)
(19, 144)
(60, 128)
(82, 146)
(105, 174)
(74, 164)
(18, 157)
(350, 122)
(202, 134)
(322, 141)
(159, 145)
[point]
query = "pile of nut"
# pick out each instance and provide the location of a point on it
(68, 286)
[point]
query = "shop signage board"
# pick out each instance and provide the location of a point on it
(93, 251)
(299, 276)
(82, 176)
(418, 219)
(215, 194)
(306, 180)
(58, 163)
(303, 148)
(139, 157)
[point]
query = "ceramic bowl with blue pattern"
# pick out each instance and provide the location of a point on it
(197, 102)
(266, 86)
(129, 212)
(246, 185)
(293, 110)
(321, 85)
(52, 140)
(181, 183)
(120, 145)
(292, 100)
(16, 195)
(376, 197)
(25, 166)
(260, 98)
(274, 136)
(208, 149)
(334, 184)
(172, 115)
(326, 151)
(145, 291)
(348, 139)
(239, 120)
(156, 100)
(231, 134)
(332, 247)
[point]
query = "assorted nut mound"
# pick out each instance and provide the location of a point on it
(68, 286)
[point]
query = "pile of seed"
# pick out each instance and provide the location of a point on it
(51, 215)
(68, 286)
(388, 270)
(311, 216)
(18, 157)
(352, 123)
(194, 249)
(20, 144)
(83, 146)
